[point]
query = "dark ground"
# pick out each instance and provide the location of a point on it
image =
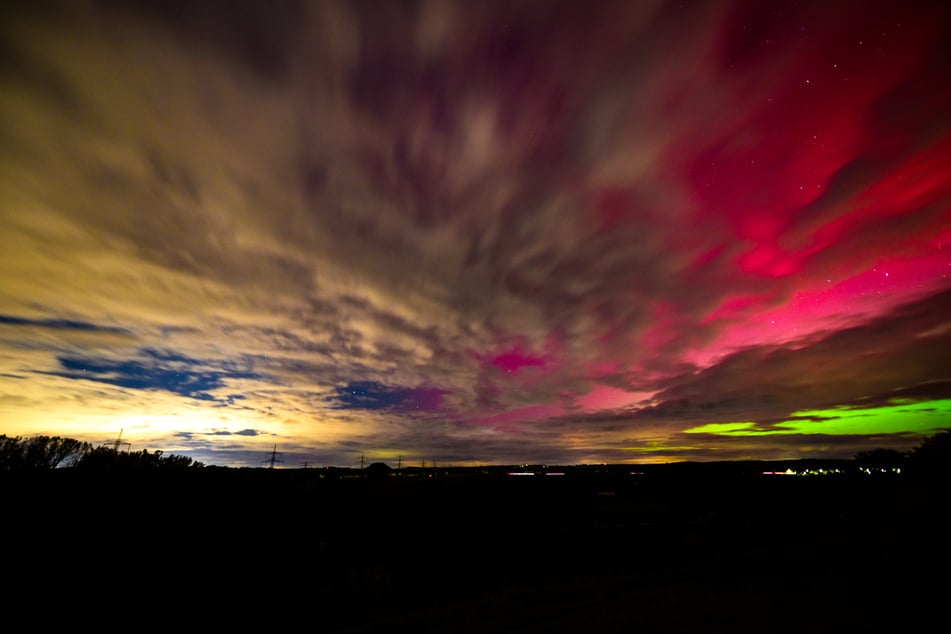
(691, 549)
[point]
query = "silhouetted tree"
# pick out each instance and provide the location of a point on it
(10, 452)
(45, 452)
(40, 452)
(933, 456)
(881, 458)
(378, 470)
(98, 458)
(50, 452)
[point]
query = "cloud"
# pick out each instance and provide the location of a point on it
(171, 372)
(369, 395)
(59, 324)
(244, 432)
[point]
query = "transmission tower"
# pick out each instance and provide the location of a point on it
(119, 443)
(273, 458)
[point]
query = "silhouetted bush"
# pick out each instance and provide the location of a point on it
(101, 458)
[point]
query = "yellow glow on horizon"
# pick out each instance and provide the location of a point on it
(659, 446)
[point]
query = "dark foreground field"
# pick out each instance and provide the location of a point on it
(685, 550)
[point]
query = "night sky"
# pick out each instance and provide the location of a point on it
(476, 232)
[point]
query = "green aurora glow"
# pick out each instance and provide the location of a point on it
(899, 418)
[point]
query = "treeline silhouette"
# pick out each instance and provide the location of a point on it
(40, 453)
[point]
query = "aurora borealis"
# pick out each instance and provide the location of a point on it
(476, 233)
